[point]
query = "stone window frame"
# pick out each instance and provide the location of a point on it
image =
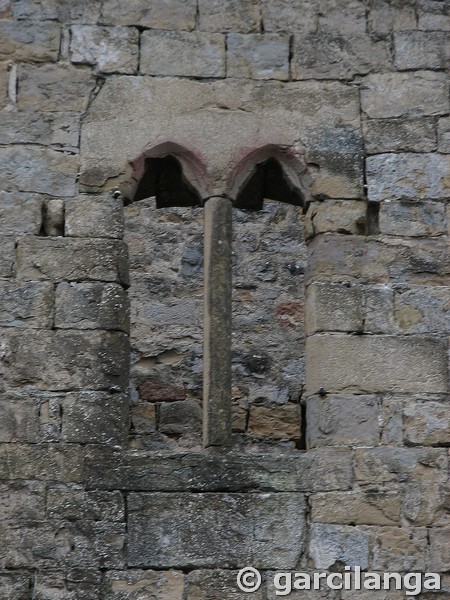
(169, 172)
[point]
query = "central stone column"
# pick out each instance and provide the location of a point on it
(217, 323)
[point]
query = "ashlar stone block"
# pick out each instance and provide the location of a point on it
(26, 305)
(20, 213)
(422, 49)
(25, 41)
(399, 135)
(369, 363)
(426, 423)
(265, 530)
(408, 176)
(229, 15)
(136, 584)
(356, 508)
(295, 16)
(331, 543)
(59, 259)
(158, 14)
(412, 219)
(183, 53)
(56, 129)
(110, 49)
(415, 94)
(258, 56)
(93, 216)
(333, 307)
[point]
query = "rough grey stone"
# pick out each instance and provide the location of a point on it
(439, 549)
(91, 306)
(421, 219)
(94, 418)
(232, 15)
(426, 424)
(182, 53)
(20, 213)
(209, 584)
(264, 530)
(73, 504)
(24, 41)
(42, 462)
(296, 16)
(416, 94)
(71, 584)
(14, 584)
(136, 584)
(178, 14)
(444, 135)
(55, 129)
(331, 543)
(258, 56)
(94, 216)
(71, 259)
(341, 216)
(422, 49)
(334, 56)
(399, 135)
(34, 169)
(379, 310)
(4, 84)
(176, 418)
(333, 307)
(422, 309)
(110, 50)
(83, 11)
(385, 17)
(356, 508)
(62, 360)
(26, 304)
(7, 255)
(348, 17)
(396, 549)
(51, 87)
(342, 421)
(22, 500)
(408, 176)
(370, 364)
(318, 470)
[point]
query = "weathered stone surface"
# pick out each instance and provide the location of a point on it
(143, 418)
(278, 422)
(343, 258)
(408, 176)
(110, 50)
(94, 216)
(62, 360)
(415, 94)
(379, 310)
(7, 256)
(51, 87)
(356, 508)
(421, 219)
(426, 424)
(264, 530)
(22, 500)
(318, 470)
(399, 549)
(334, 56)
(232, 15)
(60, 259)
(342, 421)
(73, 504)
(296, 16)
(157, 390)
(399, 135)
(178, 14)
(225, 114)
(94, 418)
(182, 53)
(385, 16)
(282, 587)
(344, 17)
(24, 41)
(4, 84)
(390, 464)
(34, 169)
(333, 307)
(208, 584)
(341, 216)
(80, 544)
(331, 543)
(422, 49)
(71, 584)
(48, 129)
(375, 364)
(26, 304)
(42, 462)
(14, 584)
(422, 309)
(444, 135)
(20, 213)
(439, 549)
(176, 418)
(91, 306)
(258, 56)
(83, 11)
(136, 584)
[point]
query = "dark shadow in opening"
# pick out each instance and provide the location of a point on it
(164, 179)
(267, 181)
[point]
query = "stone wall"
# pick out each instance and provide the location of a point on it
(340, 388)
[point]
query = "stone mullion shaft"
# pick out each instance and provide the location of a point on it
(217, 323)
